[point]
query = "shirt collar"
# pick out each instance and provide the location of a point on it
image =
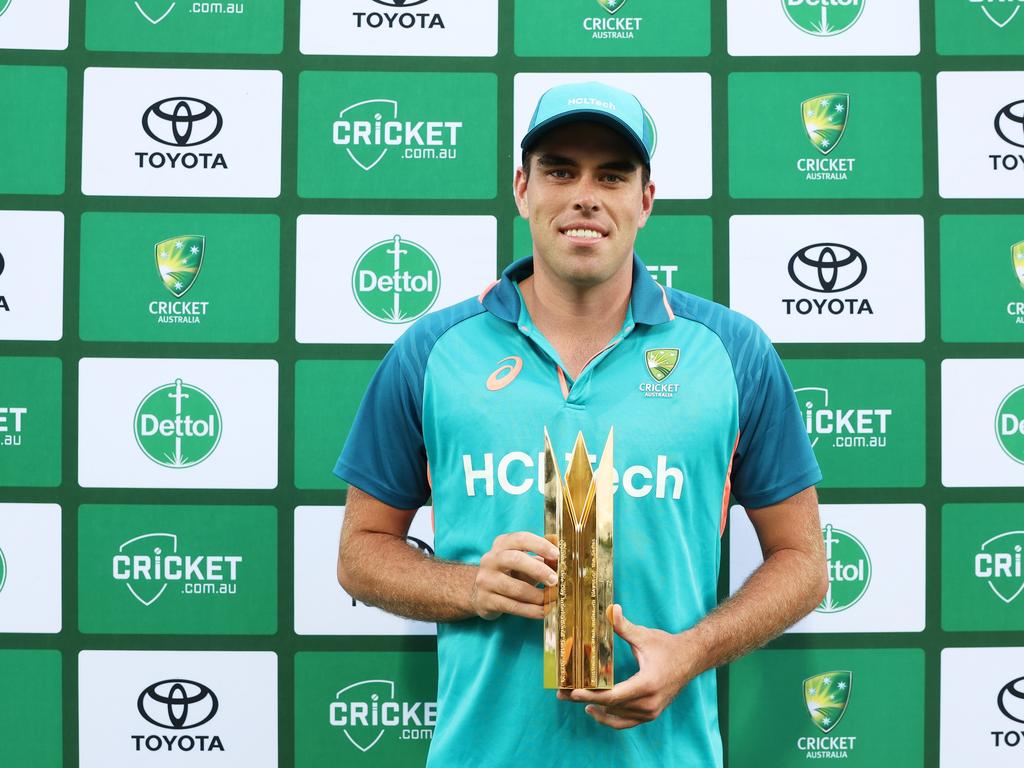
(648, 301)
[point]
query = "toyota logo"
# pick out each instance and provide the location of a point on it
(400, 3)
(177, 704)
(1010, 123)
(827, 267)
(182, 121)
(1, 263)
(421, 545)
(1011, 700)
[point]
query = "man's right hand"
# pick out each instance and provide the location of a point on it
(508, 574)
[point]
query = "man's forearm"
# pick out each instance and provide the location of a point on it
(784, 589)
(380, 570)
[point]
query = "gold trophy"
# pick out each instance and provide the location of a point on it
(578, 635)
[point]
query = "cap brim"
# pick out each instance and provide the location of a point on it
(591, 116)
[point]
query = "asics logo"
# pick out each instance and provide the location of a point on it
(508, 369)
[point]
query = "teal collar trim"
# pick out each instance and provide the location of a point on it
(648, 302)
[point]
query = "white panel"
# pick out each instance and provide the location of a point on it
(34, 24)
(30, 574)
(31, 275)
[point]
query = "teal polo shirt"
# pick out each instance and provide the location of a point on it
(457, 411)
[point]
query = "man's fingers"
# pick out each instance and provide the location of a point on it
(634, 687)
(605, 717)
(526, 542)
(535, 570)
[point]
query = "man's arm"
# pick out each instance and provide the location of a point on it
(787, 586)
(377, 566)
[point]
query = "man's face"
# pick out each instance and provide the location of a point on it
(585, 201)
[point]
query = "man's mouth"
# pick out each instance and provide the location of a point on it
(583, 232)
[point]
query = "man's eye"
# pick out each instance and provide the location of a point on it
(611, 177)
(559, 173)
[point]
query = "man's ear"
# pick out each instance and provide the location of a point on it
(519, 191)
(647, 203)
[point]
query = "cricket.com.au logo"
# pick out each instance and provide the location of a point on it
(1010, 425)
(177, 705)
(849, 570)
(823, 18)
(999, 12)
(155, 11)
(612, 26)
(12, 422)
(827, 268)
(182, 123)
(369, 710)
(178, 262)
(834, 427)
(824, 118)
(398, 17)
(371, 130)
(998, 562)
(149, 563)
(177, 425)
(827, 697)
(1009, 126)
(660, 365)
(396, 280)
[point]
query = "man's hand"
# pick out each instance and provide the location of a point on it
(667, 664)
(508, 574)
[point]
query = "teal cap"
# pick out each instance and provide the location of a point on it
(595, 102)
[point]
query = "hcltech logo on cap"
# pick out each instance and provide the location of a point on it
(177, 425)
(823, 18)
(396, 280)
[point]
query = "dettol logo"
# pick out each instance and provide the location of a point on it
(1010, 425)
(177, 425)
(396, 280)
(849, 570)
(823, 18)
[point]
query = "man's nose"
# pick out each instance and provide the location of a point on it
(586, 197)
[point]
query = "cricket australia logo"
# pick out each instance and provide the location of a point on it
(178, 260)
(366, 710)
(823, 18)
(1017, 260)
(661, 362)
(827, 696)
(612, 6)
(396, 280)
(825, 119)
(177, 425)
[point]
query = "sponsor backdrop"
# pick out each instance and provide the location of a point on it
(215, 217)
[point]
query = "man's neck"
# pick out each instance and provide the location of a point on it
(590, 313)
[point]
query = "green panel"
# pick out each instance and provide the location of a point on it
(770, 708)
(676, 249)
(979, 27)
(982, 571)
(772, 155)
(30, 421)
(327, 685)
(613, 28)
(982, 293)
(31, 723)
(865, 419)
(148, 26)
(33, 105)
(177, 570)
(327, 396)
(234, 295)
(409, 135)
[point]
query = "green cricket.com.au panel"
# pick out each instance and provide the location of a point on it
(33, 130)
(177, 570)
(823, 135)
(30, 422)
(190, 277)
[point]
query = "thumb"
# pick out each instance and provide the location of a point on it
(627, 630)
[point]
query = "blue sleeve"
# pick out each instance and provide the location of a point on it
(774, 458)
(384, 454)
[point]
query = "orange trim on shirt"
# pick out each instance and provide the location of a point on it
(561, 380)
(487, 290)
(728, 487)
(668, 307)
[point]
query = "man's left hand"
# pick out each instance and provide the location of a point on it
(667, 663)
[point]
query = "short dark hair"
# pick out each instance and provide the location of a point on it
(645, 173)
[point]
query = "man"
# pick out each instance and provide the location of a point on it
(458, 409)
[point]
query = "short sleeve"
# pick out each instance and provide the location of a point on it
(774, 458)
(384, 454)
